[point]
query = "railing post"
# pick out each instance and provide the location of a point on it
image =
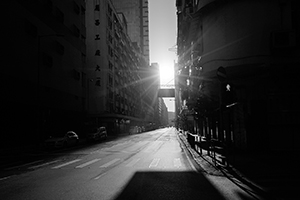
(214, 152)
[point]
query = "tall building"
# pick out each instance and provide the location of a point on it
(44, 79)
(160, 109)
(115, 93)
(163, 113)
(70, 64)
(136, 13)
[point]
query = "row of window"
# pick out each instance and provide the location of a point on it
(110, 42)
(32, 30)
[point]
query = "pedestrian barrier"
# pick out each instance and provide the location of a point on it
(214, 148)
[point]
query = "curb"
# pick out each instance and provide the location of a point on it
(203, 161)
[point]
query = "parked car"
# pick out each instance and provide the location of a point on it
(95, 134)
(62, 140)
(135, 129)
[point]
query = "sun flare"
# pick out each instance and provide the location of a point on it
(166, 74)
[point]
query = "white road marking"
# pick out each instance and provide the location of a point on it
(177, 162)
(65, 164)
(26, 164)
(99, 176)
(88, 163)
(110, 163)
(44, 164)
(6, 177)
(154, 162)
(93, 152)
(133, 162)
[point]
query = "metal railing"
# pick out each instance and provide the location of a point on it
(217, 150)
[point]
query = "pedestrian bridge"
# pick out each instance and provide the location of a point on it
(166, 92)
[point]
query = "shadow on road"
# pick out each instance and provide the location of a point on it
(169, 185)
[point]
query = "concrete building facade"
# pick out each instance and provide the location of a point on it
(231, 56)
(137, 17)
(43, 84)
(113, 70)
(160, 117)
(71, 64)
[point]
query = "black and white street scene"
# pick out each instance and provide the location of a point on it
(150, 100)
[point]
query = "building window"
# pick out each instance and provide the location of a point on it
(110, 51)
(76, 74)
(76, 8)
(83, 58)
(82, 10)
(97, 37)
(110, 39)
(109, 23)
(98, 68)
(110, 66)
(83, 80)
(59, 48)
(30, 29)
(97, 22)
(98, 81)
(97, 53)
(97, 7)
(145, 21)
(47, 60)
(59, 15)
(76, 31)
(48, 5)
(110, 80)
(109, 10)
(145, 31)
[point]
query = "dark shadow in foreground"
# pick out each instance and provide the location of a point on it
(169, 185)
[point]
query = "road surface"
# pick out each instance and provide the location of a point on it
(150, 165)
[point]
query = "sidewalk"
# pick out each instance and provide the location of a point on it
(271, 175)
(274, 172)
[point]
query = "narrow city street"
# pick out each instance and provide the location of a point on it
(150, 165)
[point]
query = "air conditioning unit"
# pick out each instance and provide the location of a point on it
(283, 39)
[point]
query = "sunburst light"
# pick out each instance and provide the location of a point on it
(166, 70)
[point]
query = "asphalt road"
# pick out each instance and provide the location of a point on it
(150, 165)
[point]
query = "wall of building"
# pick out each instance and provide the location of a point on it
(229, 32)
(118, 98)
(131, 10)
(96, 66)
(137, 17)
(43, 79)
(253, 47)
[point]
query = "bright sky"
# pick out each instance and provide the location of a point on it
(163, 35)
